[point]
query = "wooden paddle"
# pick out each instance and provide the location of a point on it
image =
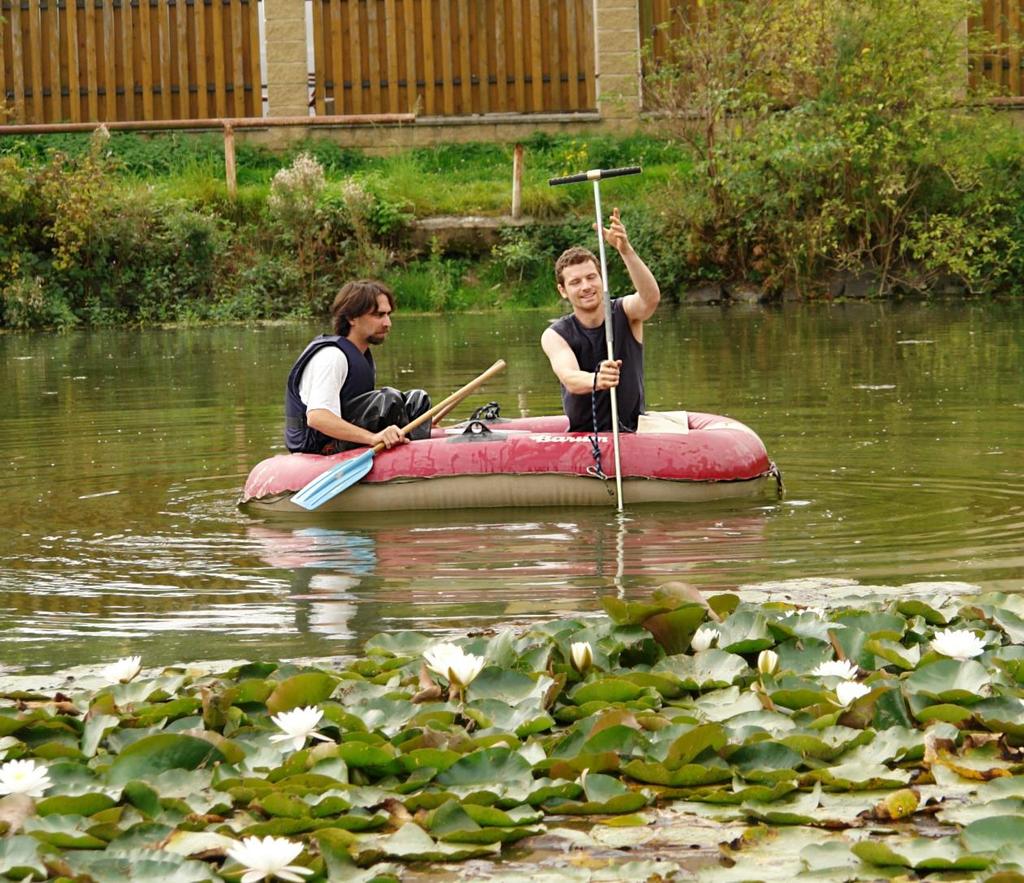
(329, 484)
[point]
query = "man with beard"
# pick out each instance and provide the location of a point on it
(330, 401)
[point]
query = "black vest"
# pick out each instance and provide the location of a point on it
(590, 348)
(362, 376)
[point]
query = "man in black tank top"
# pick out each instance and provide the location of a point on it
(575, 344)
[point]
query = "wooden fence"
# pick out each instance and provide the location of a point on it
(453, 57)
(999, 69)
(662, 20)
(106, 60)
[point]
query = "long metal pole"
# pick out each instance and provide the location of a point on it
(610, 341)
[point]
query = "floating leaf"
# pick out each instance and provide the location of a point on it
(686, 776)
(77, 805)
(608, 689)
(921, 854)
(68, 832)
(796, 809)
(487, 767)
(1003, 714)
(138, 864)
(706, 670)
(796, 693)
(20, 858)
(412, 843)
(916, 607)
(746, 631)
(766, 762)
(308, 688)
(163, 751)
(673, 629)
(950, 680)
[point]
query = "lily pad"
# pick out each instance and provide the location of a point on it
(410, 843)
(706, 670)
(950, 680)
(307, 688)
(162, 751)
(921, 854)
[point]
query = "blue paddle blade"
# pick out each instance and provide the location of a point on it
(329, 484)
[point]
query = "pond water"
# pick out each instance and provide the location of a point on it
(899, 429)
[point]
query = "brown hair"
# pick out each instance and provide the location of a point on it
(569, 258)
(357, 299)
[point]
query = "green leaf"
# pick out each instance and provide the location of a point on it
(607, 689)
(688, 775)
(1003, 714)
(138, 864)
(706, 670)
(746, 631)
(400, 643)
(673, 629)
(20, 857)
(766, 762)
(163, 751)
(992, 834)
(510, 687)
(488, 766)
(412, 843)
(95, 729)
(796, 809)
(796, 693)
(950, 680)
(68, 832)
(630, 612)
(308, 688)
(694, 742)
(720, 705)
(78, 805)
(915, 607)
(920, 853)
(381, 761)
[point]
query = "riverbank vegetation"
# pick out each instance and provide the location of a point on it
(880, 737)
(816, 149)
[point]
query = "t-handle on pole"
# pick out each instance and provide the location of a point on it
(596, 175)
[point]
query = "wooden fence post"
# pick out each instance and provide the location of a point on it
(229, 160)
(517, 181)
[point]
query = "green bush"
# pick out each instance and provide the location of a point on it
(827, 138)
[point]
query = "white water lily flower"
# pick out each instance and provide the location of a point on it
(24, 777)
(453, 663)
(269, 857)
(703, 638)
(582, 656)
(124, 670)
(836, 668)
(958, 644)
(767, 662)
(298, 724)
(850, 691)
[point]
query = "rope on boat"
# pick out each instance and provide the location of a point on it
(595, 448)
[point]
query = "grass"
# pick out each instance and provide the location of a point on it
(455, 179)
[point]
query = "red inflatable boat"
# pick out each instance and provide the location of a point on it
(532, 461)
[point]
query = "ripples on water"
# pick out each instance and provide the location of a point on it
(902, 454)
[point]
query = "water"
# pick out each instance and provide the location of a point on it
(899, 430)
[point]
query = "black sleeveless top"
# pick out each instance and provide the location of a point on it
(362, 375)
(590, 348)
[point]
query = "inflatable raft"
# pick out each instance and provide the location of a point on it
(533, 461)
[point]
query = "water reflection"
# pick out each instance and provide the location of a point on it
(445, 573)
